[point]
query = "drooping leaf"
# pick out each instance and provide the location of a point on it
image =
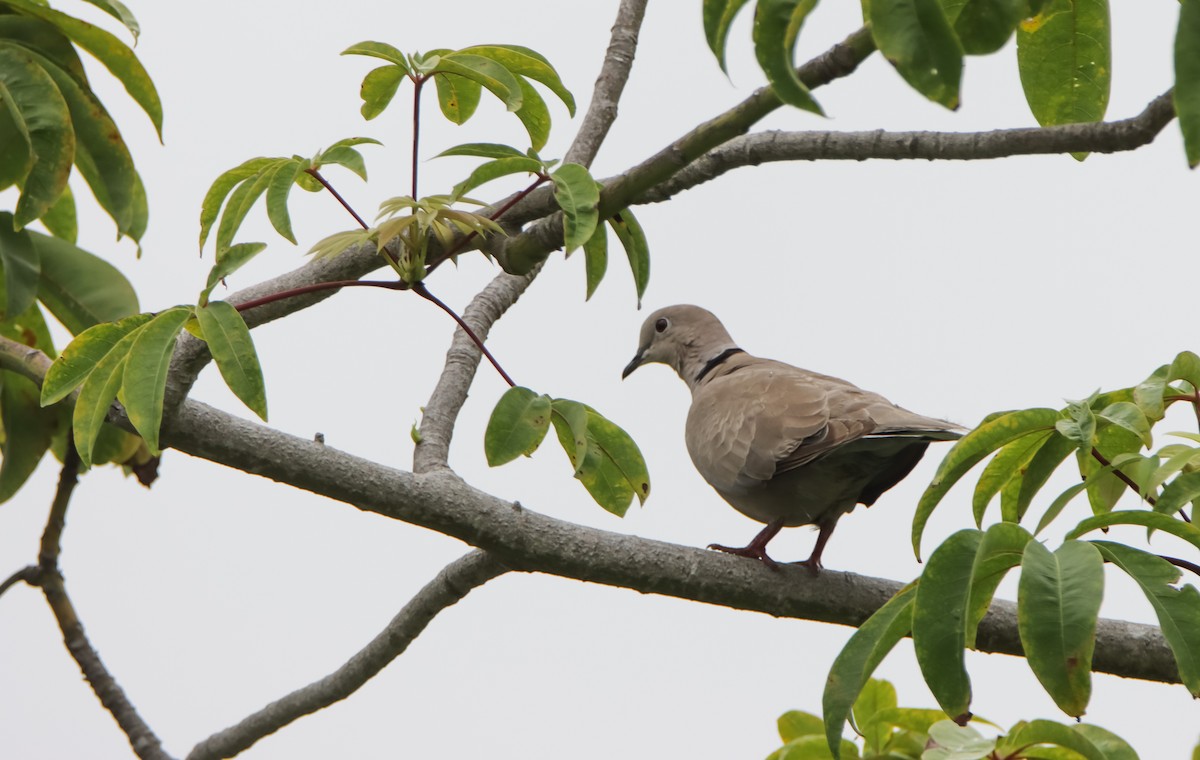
(858, 659)
(379, 86)
(241, 200)
(776, 24)
(1000, 550)
(40, 113)
(116, 56)
(117, 10)
(1065, 60)
(577, 195)
(595, 258)
(27, 429)
(210, 207)
(611, 467)
(232, 348)
(916, 38)
(82, 355)
(1008, 463)
(97, 394)
(497, 79)
(61, 220)
(718, 16)
(343, 153)
(458, 97)
(1039, 469)
(939, 625)
(534, 115)
(637, 250)
(145, 375)
(1155, 520)
(1113, 746)
(280, 186)
(990, 435)
(1037, 732)
(517, 425)
(525, 62)
(1058, 604)
(21, 265)
(380, 50)
(984, 26)
(1178, 609)
(80, 289)
(483, 150)
(1186, 93)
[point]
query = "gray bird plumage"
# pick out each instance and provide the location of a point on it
(782, 445)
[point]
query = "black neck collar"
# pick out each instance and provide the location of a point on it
(717, 361)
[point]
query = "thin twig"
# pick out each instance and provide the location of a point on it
(1183, 563)
(1103, 460)
(418, 82)
(325, 184)
(27, 574)
(319, 286)
(450, 585)
(420, 289)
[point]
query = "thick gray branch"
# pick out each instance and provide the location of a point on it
(528, 541)
(453, 583)
(765, 147)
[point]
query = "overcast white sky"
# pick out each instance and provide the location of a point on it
(954, 289)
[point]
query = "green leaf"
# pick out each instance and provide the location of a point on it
(1127, 415)
(637, 250)
(1000, 550)
(483, 150)
(595, 259)
(611, 466)
(1155, 520)
(344, 155)
(495, 169)
(241, 200)
(230, 260)
(525, 62)
(82, 355)
(27, 430)
(811, 748)
(116, 56)
(1036, 732)
(858, 659)
(1064, 57)
(458, 97)
(338, 242)
(1039, 469)
(145, 375)
(983, 26)
(40, 113)
(578, 196)
(78, 288)
(534, 116)
(379, 86)
(1179, 493)
(776, 24)
(1178, 609)
(380, 50)
(61, 220)
(1008, 463)
(718, 16)
(517, 426)
(97, 394)
(282, 181)
(229, 341)
(989, 436)
(955, 742)
(795, 724)
(117, 10)
(1113, 746)
(939, 624)
(210, 207)
(916, 38)
(911, 719)
(21, 266)
(877, 695)
(16, 159)
(1058, 603)
(496, 78)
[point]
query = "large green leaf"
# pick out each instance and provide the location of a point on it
(517, 425)
(858, 659)
(37, 108)
(282, 182)
(1178, 609)
(795, 724)
(1065, 59)
(718, 16)
(637, 250)
(939, 625)
(1181, 491)
(21, 266)
(1058, 604)
(97, 394)
(78, 288)
(595, 259)
(1039, 732)
(458, 97)
(990, 435)
(1154, 520)
(116, 56)
(43, 38)
(232, 349)
(1008, 463)
(82, 355)
(1037, 471)
(578, 196)
(916, 38)
(145, 376)
(983, 26)
(497, 79)
(525, 62)
(534, 115)
(27, 429)
(117, 10)
(16, 158)
(1000, 550)
(609, 464)
(776, 26)
(877, 696)
(61, 220)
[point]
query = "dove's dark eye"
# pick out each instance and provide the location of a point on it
(662, 324)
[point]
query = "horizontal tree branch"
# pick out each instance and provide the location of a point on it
(766, 147)
(528, 541)
(450, 585)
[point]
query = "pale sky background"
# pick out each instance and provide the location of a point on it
(954, 289)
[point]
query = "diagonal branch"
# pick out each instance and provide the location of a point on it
(450, 585)
(766, 147)
(462, 358)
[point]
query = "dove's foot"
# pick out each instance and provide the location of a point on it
(813, 563)
(756, 549)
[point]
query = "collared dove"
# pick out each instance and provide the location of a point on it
(784, 446)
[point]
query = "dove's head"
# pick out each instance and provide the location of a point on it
(683, 337)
